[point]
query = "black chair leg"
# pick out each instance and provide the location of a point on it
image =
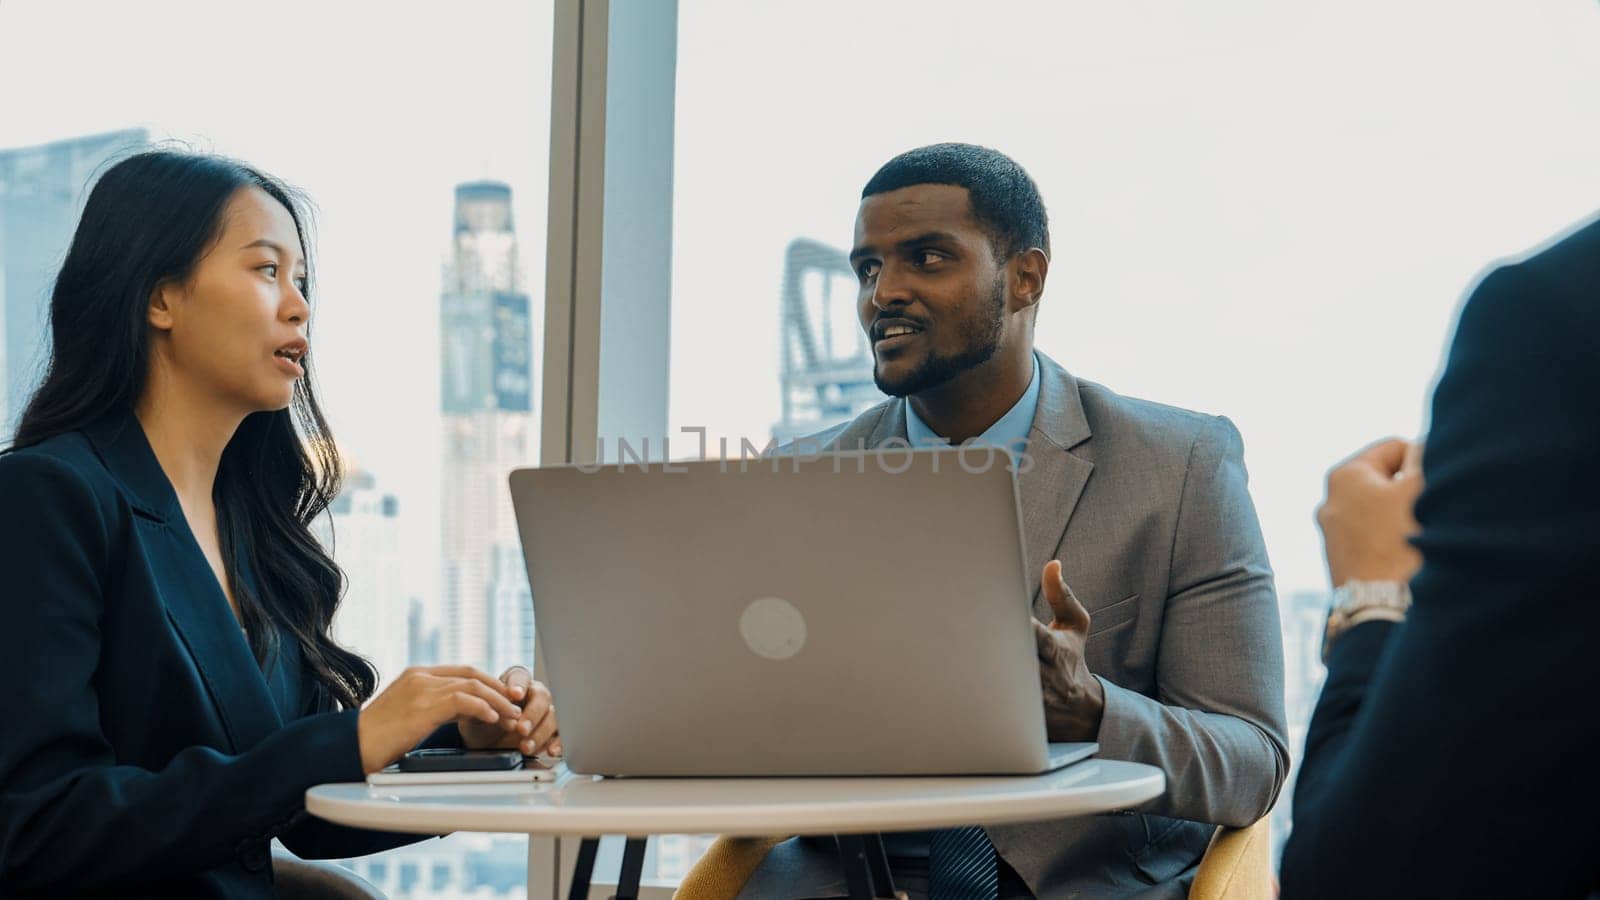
(584, 870)
(853, 857)
(878, 865)
(632, 869)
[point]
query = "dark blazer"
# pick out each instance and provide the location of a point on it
(144, 752)
(1455, 755)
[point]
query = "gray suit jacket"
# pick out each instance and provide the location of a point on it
(1147, 508)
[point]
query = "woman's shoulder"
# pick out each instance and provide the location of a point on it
(63, 469)
(70, 450)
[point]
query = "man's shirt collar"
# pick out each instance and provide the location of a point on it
(1009, 431)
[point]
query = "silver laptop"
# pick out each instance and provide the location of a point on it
(860, 614)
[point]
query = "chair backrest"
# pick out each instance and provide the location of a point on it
(1237, 865)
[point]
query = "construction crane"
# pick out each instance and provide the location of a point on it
(827, 361)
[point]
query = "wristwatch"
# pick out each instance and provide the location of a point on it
(1355, 602)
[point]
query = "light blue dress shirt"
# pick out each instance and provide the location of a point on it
(1009, 431)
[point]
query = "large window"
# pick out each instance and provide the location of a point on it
(422, 136)
(1258, 209)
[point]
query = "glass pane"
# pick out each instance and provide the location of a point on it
(423, 141)
(1258, 209)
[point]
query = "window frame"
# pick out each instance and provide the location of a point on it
(607, 338)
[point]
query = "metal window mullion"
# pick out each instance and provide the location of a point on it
(572, 296)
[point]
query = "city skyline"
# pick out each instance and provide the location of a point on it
(362, 531)
(485, 617)
(454, 97)
(1262, 210)
(1175, 178)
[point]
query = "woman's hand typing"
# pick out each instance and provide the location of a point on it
(536, 730)
(425, 697)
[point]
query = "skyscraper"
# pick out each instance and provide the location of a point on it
(487, 399)
(42, 190)
(374, 616)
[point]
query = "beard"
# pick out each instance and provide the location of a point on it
(980, 341)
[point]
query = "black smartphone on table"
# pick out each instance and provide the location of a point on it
(452, 760)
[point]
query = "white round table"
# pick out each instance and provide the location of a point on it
(639, 807)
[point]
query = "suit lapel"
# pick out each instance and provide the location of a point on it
(890, 425)
(869, 430)
(1052, 479)
(195, 604)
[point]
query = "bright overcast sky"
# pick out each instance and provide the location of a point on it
(1263, 209)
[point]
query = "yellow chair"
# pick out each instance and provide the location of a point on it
(1237, 866)
(728, 864)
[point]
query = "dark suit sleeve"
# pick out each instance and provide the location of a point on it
(72, 819)
(1351, 666)
(309, 837)
(1453, 755)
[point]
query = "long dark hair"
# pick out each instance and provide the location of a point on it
(149, 220)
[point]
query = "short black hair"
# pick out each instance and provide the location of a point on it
(1005, 201)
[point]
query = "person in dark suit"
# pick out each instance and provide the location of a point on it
(172, 688)
(1452, 752)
